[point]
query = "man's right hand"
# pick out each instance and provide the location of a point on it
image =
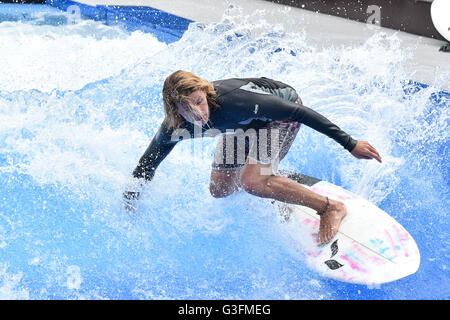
(129, 200)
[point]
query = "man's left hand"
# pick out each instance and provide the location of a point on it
(363, 150)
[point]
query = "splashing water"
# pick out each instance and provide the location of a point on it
(76, 118)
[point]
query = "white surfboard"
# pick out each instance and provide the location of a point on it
(370, 247)
(440, 15)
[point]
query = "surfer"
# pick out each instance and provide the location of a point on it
(260, 118)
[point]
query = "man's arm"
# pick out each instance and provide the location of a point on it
(256, 105)
(276, 108)
(159, 148)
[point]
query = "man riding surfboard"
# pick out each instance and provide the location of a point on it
(257, 120)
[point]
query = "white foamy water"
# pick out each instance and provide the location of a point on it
(67, 57)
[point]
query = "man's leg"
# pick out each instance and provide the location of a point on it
(224, 182)
(286, 190)
(226, 169)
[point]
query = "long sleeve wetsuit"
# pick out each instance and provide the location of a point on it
(243, 104)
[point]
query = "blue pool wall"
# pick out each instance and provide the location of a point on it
(166, 27)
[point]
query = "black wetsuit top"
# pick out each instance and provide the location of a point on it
(242, 106)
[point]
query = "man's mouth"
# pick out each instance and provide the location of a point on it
(199, 119)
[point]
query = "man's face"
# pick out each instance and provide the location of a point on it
(199, 103)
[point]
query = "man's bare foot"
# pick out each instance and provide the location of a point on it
(330, 221)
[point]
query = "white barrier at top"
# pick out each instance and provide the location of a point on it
(440, 14)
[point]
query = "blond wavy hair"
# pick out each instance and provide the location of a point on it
(177, 87)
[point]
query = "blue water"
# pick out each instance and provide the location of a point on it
(69, 141)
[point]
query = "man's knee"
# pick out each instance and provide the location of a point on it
(224, 183)
(254, 182)
(220, 191)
